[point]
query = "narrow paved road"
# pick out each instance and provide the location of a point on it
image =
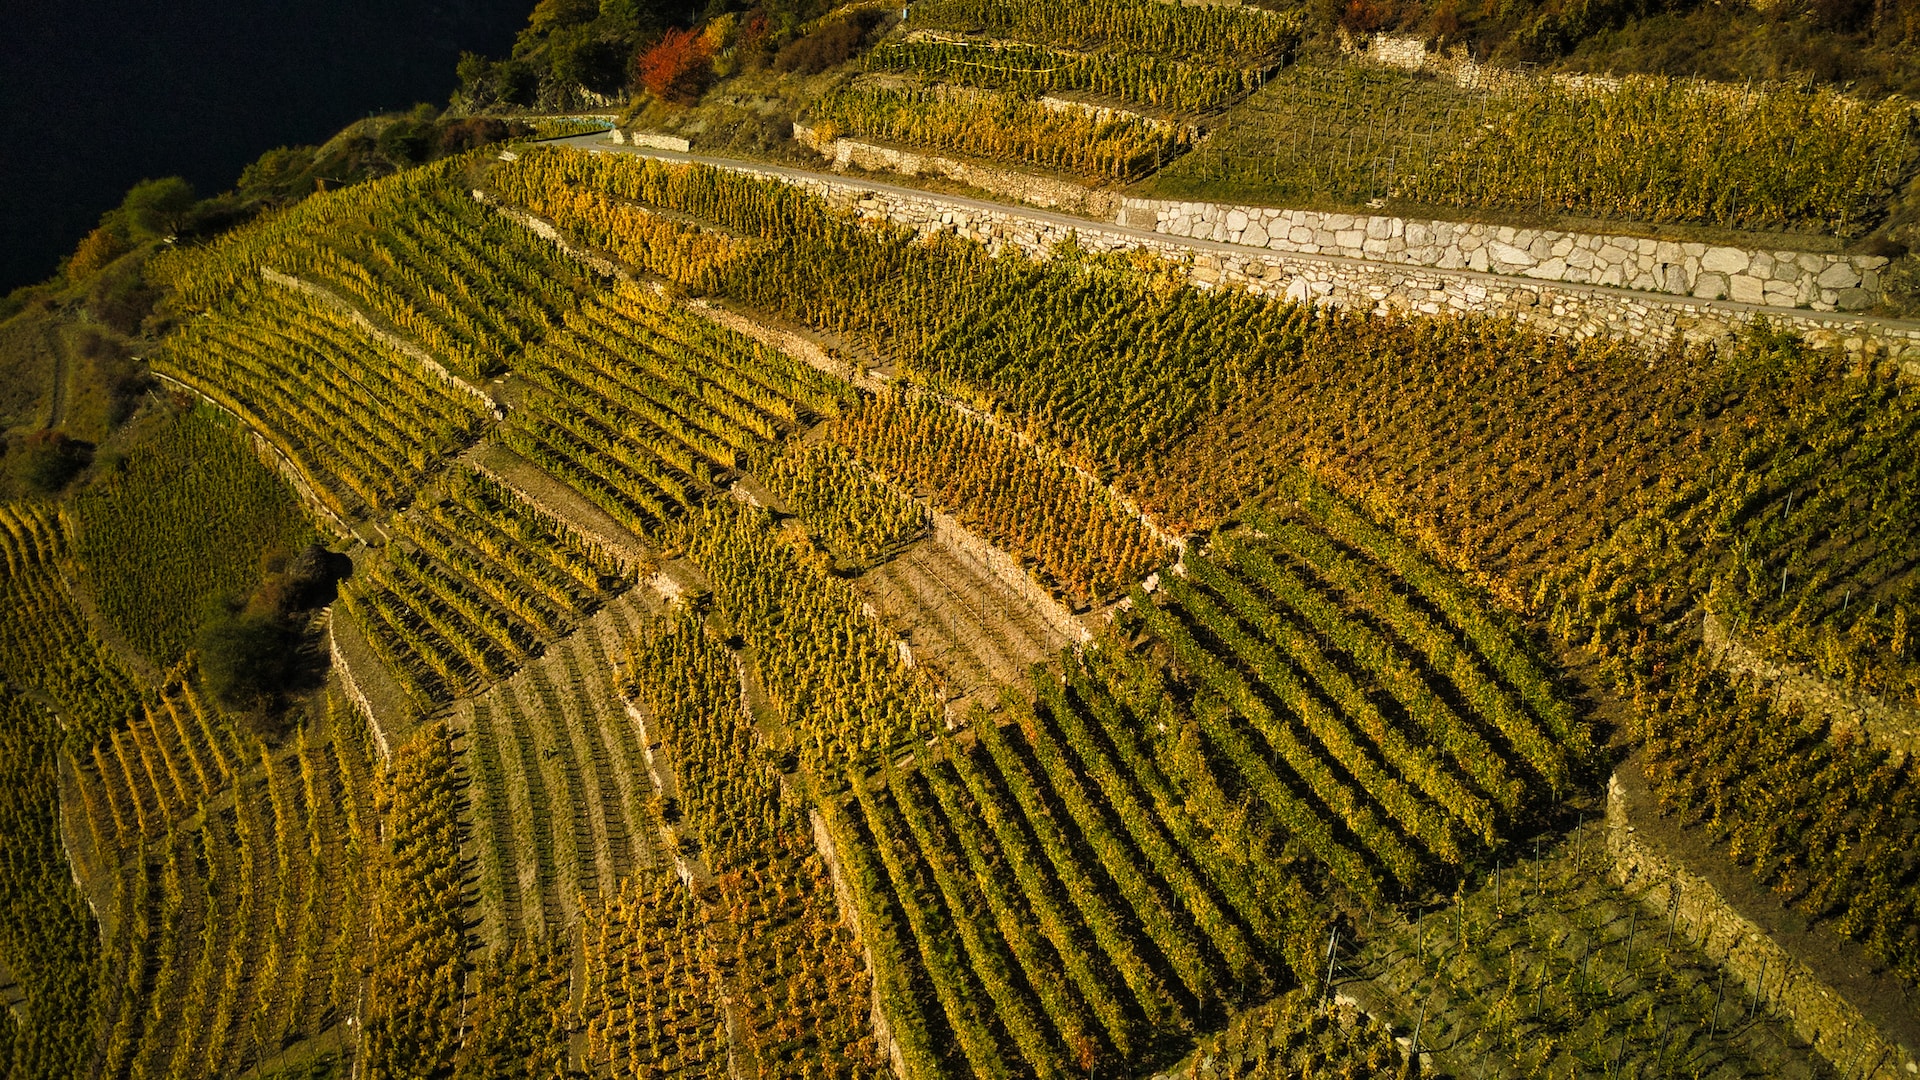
(599, 142)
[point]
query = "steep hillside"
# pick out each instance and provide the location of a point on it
(586, 608)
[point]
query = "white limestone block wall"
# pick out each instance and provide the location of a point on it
(1822, 282)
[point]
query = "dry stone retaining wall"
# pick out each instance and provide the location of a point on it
(1834, 1027)
(1043, 191)
(1823, 282)
(1339, 281)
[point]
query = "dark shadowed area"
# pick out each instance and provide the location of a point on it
(96, 95)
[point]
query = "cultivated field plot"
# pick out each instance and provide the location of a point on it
(1545, 968)
(960, 619)
(303, 373)
(560, 806)
(976, 74)
(239, 891)
(475, 585)
(648, 408)
(1643, 149)
(1372, 705)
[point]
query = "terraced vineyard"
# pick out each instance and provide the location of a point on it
(415, 252)
(648, 408)
(298, 371)
(1038, 896)
(560, 813)
(46, 644)
(236, 885)
(1646, 149)
(480, 583)
(983, 667)
(1545, 966)
(978, 71)
(1379, 712)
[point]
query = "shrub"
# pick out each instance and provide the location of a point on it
(676, 68)
(46, 461)
(99, 248)
(831, 45)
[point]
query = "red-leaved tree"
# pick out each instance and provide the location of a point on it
(677, 66)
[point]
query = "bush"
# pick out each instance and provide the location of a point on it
(831, 45)
(677, 67)
(47, 461)
(99, 248)
(250, 662)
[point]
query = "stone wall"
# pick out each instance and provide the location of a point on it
(1823, 282)
(653, 140)
(1581, 310)
(1822, 1016)
(1044, 191)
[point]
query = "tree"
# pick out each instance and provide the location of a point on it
(580, 55)
(249, 660)
(158, 208)
(676, 67)
(46, 461)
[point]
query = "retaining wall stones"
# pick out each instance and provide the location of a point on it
(1044, 191)
(652, 139)
(1775, 278)
(1581, 310)
(1834, 1026)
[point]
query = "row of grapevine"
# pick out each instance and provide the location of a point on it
(1825, 819)
(237, 922)
(1031, 70)
(645, 407)
(362, 423)
(832, 672)
(559, 811)
(996, 125)
(796, 982)
(1296, 1035)
(859, 517)
(182, 521)
(1208, 33)
(49, 943)
(415, 1003)
(1272, 628)
(1043, 899)
(417, 253)
(1082, 544)
(478, 583)
(45, 642)
(1650, 148)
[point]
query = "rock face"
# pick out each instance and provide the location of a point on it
(1822, 282)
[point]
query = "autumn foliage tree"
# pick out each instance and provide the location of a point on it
(676, 67)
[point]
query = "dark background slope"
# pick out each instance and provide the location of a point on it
(94, 96)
